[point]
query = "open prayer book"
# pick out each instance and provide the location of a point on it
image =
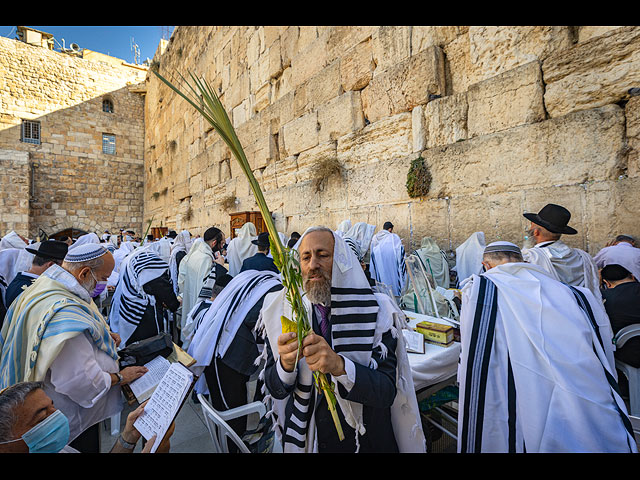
(141, 389)
(165, 403)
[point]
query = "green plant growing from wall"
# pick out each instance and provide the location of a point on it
(418, 178)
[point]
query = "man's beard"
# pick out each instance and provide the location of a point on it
(318, 290)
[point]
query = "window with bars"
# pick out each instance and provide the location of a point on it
(107, 105)
(108, 144)
(31, 132)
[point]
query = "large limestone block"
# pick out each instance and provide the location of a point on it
(430, 218)
(340, 116)
(423, 37)
(300, 134)
(341, 39)
(594, 73)
(499, 216)
(632, 111)
(308, 61)
(507, 100)
(378, 182)
(357, 66)
(405, 85)
(588, 32)
(496, 49)
(446, 120)
(573, 149)
(379, 141)
(391, 45)
(321, 88)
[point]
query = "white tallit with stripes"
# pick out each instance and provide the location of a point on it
(129, 299)
(218, 326)
(387, 261)
(358, 318)
(536, 371)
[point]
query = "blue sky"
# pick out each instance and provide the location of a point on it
(111, 40)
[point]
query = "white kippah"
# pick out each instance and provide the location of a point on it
(502, 246)
(86, 252)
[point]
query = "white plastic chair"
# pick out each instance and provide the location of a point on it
(220, 430)
(632, 374)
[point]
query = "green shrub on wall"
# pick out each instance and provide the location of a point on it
(418, 178)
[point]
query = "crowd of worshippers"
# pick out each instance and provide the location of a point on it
(536, 371)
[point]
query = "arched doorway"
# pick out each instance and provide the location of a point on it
(68, 232)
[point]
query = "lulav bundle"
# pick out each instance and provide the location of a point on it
(205, 100)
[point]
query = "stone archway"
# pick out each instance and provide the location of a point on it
(68, 232)
(56, 226)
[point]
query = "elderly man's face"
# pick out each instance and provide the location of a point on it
(316, 264)
(86, 277)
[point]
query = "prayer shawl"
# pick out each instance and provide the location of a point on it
(119, 255)
(536, 370)
(129, 299)
(434, 261)
(53, 310)
(623, 254)
(568, 265)
(10, 265)
(343, 228)
(182, 243)
(12, 240)
(241, 248)
(222, 319)
(194, 269)
(387, 261)
(359, 318)
(362, 234)
(84, 239)
(469, 257)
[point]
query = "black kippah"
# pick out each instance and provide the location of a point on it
(614, 273)
(211, 233)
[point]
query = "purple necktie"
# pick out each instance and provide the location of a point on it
(324, 322)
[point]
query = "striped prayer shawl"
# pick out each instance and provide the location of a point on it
(480, 347)
(354, 313)
(37, 325)
(521, 392)
(130, 300)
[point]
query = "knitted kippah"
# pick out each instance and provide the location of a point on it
(502, 247)
(84, 253)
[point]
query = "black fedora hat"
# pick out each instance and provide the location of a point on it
(50, 249)
(554, 218)
(262, 240)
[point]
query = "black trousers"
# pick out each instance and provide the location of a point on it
(88, 441)
(227, 389)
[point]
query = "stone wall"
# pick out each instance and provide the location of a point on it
(67, 181)
(506, 119)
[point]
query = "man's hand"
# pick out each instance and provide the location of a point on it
(321, 357)
(116, 338)
(166, 443)
(288, 350)
(129, 374)
(130, 434)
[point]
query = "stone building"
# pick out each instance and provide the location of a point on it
(504, 119)
(71, 139)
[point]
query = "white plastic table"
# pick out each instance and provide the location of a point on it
(437, 363)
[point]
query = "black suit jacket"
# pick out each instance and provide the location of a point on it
(374, 389)
(259, 262)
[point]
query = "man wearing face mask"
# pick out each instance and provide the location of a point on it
(30, 423)
(55, 333)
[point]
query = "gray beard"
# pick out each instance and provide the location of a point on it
(318, 292)
(530, 241)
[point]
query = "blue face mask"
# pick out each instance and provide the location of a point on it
(49, 436)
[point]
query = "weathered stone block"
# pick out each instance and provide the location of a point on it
(573, 149)
(340, 116)
(386, 139)
(594, 73)
(446, 120)
(357, 66)
(300, 134)
(405, 85)
(507, 100)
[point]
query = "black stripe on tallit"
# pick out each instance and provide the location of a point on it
(511, 407)
(351, 291)
(586, 308)
(353, 333)
(483, 326)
